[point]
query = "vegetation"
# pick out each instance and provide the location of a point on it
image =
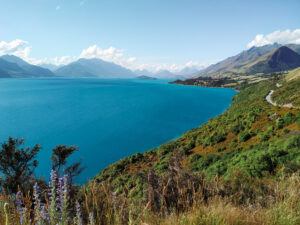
(242, 167)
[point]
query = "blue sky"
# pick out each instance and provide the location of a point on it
(151, 32)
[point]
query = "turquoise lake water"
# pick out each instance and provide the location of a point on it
(107, 119)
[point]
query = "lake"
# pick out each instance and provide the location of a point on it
(107, 119)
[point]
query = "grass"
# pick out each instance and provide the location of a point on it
(237, 200)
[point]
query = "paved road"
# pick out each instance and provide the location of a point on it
(268, 98)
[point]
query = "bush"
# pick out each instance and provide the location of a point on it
(221, 149)
(244, 137)
(289, 118)
(17, 165)
(280, 123)
(194, 158)
(293, 142)
(263, 136)
(205, 161)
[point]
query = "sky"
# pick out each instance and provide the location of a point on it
(144, 34)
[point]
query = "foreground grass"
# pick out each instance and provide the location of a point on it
(238, 200)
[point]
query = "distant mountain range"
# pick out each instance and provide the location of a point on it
(186, 72)
(265, 59)
(94, 68)
(256, 60)
(49, 66)
(12, 66)
(252, 65)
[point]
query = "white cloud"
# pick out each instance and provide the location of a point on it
(118, 56)
(281, 37)
(22, 49)
(58, 7)
(63, 60)
(110, 54)
(174, 68)
(16, 47)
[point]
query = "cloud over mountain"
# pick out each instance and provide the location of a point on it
(16, 47)
(281, 37)
(112, 54)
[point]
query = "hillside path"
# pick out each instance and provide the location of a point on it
(269, 99)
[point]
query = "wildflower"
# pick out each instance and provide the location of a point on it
(78, 218)
(53, 202)
(64, 200)
(91, 219)
(19, 206)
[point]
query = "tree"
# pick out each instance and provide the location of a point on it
(17, 164)
(59, 160)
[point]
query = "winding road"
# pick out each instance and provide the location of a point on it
(269, 99)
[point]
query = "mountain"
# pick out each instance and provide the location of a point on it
(278, 60)
(251, 66)
(294, 47)
(237, 61)
(49, 66)
(94, 68)
(8, 69)
(186, 72)
(24, 69)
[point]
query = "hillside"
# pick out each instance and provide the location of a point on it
(289, 91)
(94, 68)
(281, 59)
(233, 140)
(233, 161)
(237, 61)
(271, 64)
(8, 69)
(17, 67)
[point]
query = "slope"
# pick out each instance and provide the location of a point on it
(28, 69)
(94, 68)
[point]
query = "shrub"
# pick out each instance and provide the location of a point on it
(244, 137)
(205, 161)
(194, 158)
(221, 149)
(263, 136)
(17, 164)
(289, 118)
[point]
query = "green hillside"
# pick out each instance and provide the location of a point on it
(234, 161)
(251, 135)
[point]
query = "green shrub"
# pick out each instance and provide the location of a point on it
(205, 161)
(280, 123)
(244, 136)
(293, 142)
(194, 158)
(221, 149)
(263, 136)
(289, 118)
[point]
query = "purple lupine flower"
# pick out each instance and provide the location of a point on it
(37, 205)
(91, 219)
(64, 197)
(53, 202)
(20, 208)
(78, 219)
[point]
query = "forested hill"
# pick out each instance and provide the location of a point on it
(252, 135)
